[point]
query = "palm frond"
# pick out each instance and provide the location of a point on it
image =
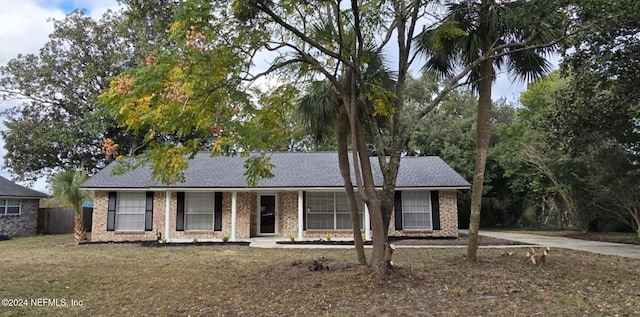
(66, 187)
(527, 65)
(489, 24)
(318, 110)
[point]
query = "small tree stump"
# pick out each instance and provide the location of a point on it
(389, 248)
(536, 258)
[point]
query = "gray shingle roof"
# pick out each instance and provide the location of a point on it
(293, 169)
(10, 189)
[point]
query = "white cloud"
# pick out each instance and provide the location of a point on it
(24, 27)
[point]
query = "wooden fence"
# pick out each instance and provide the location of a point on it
(60, 220)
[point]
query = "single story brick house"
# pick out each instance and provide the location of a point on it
(305, 199)
(18, 209)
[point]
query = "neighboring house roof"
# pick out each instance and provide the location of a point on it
(9, 189)
(292, 170)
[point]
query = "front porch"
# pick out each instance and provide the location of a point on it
(248, 215)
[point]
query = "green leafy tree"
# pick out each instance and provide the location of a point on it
(597, 120)
(602, 100)
(481, 34)
(449, 132)
(613, 178)
(540, 171)
(65, 186)
(58, 124)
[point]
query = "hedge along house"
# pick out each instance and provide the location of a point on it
(304, 199)
(18, 209)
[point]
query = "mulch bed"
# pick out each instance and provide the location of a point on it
(156, 244)
(461, 241)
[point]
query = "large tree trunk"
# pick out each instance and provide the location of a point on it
(380, 264)
(482, 145)
(345, 170)
(381, 256)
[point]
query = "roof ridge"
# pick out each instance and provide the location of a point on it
(11, 189)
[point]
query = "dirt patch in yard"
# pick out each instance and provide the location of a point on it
(129, 280)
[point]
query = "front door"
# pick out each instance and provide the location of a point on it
(267, 214)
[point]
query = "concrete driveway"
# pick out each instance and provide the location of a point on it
(607, 248)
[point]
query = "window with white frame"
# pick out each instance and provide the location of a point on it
(130, 211)
(198, 211)
(330, 211)
(416, 210)
(9, 207)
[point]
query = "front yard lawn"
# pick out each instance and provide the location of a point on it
(132, 280)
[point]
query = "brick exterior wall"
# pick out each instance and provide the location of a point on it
(99, 226)
(448, 219)
(245, 202)
(23, 224)
(288, 213)
(247, 219)
(246, 206)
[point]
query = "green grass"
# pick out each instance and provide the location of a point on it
(130, 280)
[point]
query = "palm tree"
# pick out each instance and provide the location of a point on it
(66, 187)
(488, 35)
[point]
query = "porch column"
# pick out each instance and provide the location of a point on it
(300, 215)
(167, 215)
(234, 214)
(367, 224)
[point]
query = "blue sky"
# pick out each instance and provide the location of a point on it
(24, 28)
(68, 6)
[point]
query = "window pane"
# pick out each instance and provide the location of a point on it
(199, 203)
(199, 211)
(416, 210)
(131, 203)
(329, 211)
(130, 211)
(320, 221)
(320, 202)
(199, 222)
(416, 202)
(13, 210)
(416, 220)
(341, 202)
(129, 222)
(9, 207)
(342, 205)
(343, 221)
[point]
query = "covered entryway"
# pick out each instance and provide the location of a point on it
(267, 214)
